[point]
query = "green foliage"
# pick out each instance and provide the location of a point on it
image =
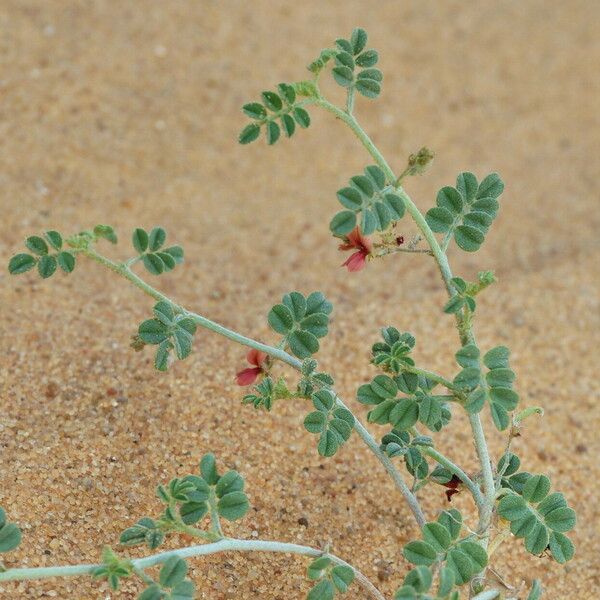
(466, 211)
(155, 257)
(312, 380)
(393, 353)
(536, 590)
(493, 387)
(331, 578)
(47, 254)
(113, 568)
(333, 424)
(145, 531)
(302, 321)
(281, 110)
(170, 332)
(188, 501)
(267, 392)
(354, 65)
(401, 443)
(105, 232)
(371, 198)
(10, 534)
(456, 560)
(403, 412)
(540, 517)
(172, 583)
(465, 292)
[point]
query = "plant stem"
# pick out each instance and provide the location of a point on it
(455, 470)
(224, 545)
(431, 376)
(464, 328)
(278, 353)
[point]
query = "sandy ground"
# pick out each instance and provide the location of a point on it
(128, 113)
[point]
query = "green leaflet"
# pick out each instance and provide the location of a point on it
(466, 211)
(302, 321)
(370, 201)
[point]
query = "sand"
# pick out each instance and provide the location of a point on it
(128, 113)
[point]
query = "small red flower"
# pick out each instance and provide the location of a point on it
(250, 375)
(452, 486)
(363, 246)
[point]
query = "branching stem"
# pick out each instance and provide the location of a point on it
(224, 545)
(278, 353)
(466, 334)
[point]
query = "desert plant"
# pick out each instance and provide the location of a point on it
(451, 556)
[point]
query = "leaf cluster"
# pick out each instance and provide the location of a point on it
(331, 578)
(466, 211)
(47, 253)
(266, 392)
(495, 386)
(465, 292)
(403, 412)
(401, 443)
(152, 253)
(113, 568)
(302, 321)
(333, 424)
(188, 500)
(393, 353)
(169, 331)
(278, 110)
(172, 583)
(354, 65)
(312, 380)
(540, 517)
(369, 200)
(440, 550)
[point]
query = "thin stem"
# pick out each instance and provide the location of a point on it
(409, 496)
(456, 470)
(432, 377)
(214, 516)
(277, 353)
(350, 101)
(414, 212)
(224, 545)
(464, 328)
(394, 250)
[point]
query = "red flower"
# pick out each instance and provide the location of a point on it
(250, 375)
(452, 486)
(363, 246)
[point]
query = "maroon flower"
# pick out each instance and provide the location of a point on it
(250, 375)
(452, 486)
(363, 246)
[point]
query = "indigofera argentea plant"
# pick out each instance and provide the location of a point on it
(451, 552)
